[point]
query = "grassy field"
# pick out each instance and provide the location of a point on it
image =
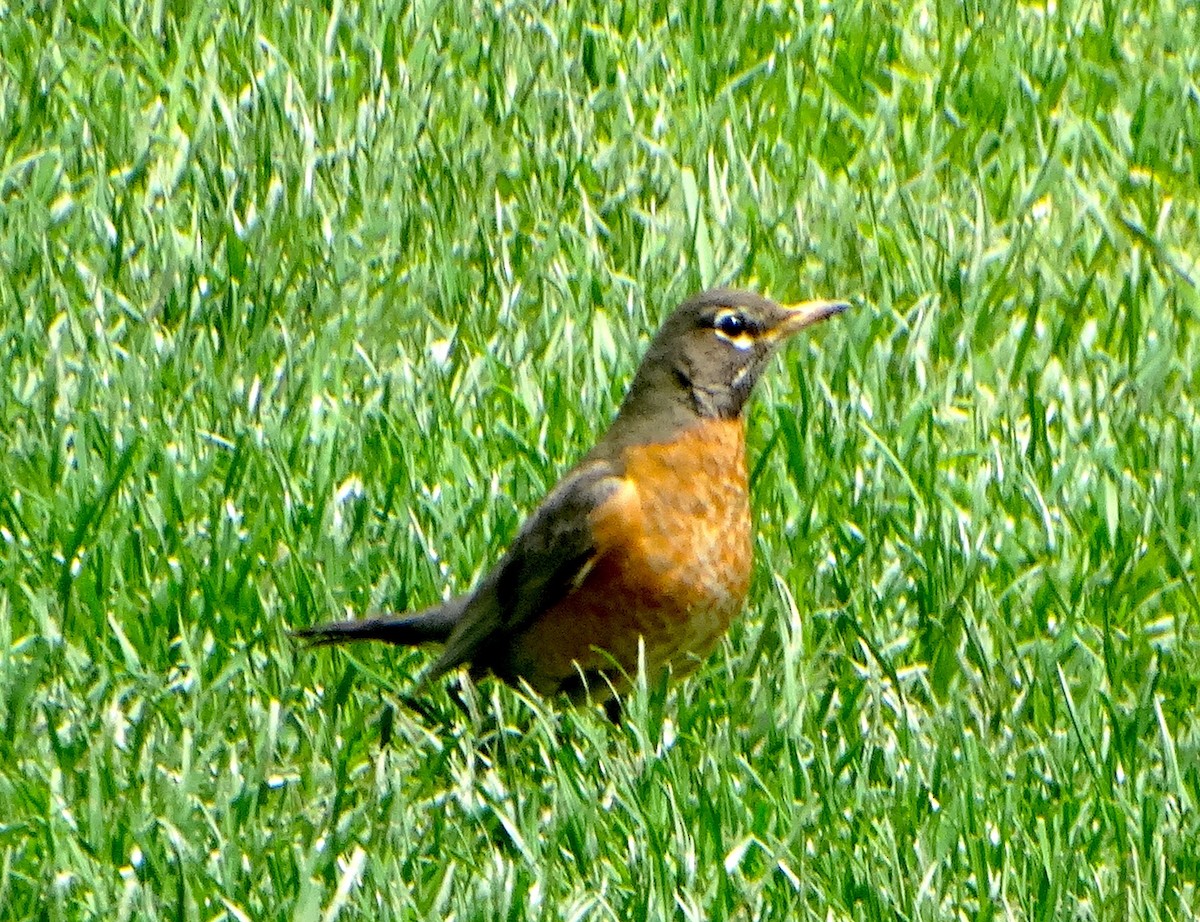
(302, 309)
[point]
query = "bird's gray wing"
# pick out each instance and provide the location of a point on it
(547, 560)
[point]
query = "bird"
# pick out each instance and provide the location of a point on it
(642, 551)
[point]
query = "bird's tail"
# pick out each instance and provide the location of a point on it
(433, 625)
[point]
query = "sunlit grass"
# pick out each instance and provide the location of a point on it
(301, 313)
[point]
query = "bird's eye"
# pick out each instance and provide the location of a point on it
(730, 325)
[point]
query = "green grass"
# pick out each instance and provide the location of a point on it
(302, 310)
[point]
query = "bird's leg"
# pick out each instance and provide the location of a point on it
(416, 705)
(455, 690)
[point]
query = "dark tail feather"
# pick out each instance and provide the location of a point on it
(433, 625)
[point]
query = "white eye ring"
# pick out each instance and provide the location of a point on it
(731, 326)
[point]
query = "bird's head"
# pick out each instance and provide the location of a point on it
(712, 350)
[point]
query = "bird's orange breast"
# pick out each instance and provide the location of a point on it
(671, 569)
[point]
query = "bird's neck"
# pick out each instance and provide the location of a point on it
(664, 401)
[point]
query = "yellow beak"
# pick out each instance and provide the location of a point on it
(806, 313)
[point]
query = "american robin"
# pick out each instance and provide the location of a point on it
(645, 542)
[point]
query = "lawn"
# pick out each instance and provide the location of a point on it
(302, 309)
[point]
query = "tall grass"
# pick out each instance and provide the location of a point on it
(302, 309)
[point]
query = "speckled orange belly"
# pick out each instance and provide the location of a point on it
(671, 571)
